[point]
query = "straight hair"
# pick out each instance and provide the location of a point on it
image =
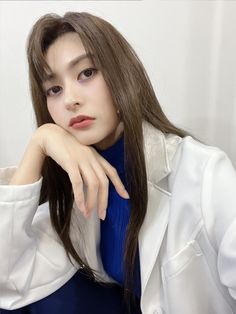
(132, 94)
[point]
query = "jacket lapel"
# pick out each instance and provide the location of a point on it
(159, 151)
(152, 232)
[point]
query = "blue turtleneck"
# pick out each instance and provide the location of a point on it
(113, 228)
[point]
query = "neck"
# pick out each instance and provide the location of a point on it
(112, 138)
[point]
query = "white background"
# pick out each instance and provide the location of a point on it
(187, 47)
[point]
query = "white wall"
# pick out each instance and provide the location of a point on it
(187, 47)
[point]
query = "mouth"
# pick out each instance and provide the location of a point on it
(81, 121)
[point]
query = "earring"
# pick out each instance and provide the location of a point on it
(118, 112)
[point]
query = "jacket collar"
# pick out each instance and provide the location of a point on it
(159, 152)
(159, 149)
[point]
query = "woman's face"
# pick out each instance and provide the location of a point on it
(77, 88)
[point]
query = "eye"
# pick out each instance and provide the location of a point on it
(87, 73)
(53, 91)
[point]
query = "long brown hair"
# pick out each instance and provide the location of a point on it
(131, 92)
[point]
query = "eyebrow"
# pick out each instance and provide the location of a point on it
(51, 76)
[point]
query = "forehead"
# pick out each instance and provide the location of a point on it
(65, 53)
(65, 47)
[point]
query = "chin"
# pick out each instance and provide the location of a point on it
(89, 140)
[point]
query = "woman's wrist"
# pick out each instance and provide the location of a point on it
(30, 167)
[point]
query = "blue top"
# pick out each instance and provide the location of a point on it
(80, 295)
(113, 228)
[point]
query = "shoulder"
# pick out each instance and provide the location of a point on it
(190, 163)
(198, 169)
(196, 164)
(196, 159)
(205, 176)
(192, 156)
(191, 146)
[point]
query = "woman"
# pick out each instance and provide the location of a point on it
(166, 234)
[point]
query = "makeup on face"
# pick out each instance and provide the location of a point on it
(78, 98)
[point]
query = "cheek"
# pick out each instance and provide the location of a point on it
(107, 105)
(49, 106)
(49, 110)
(53, 112)
(111, 117)
(102, 92)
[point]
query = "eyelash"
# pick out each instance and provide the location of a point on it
(88, 69)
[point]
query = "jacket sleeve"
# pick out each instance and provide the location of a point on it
(33, 262)
(219, 206)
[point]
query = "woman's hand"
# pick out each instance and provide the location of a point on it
(82, 163)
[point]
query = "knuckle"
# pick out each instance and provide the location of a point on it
(79, 197)
(69, 160)
(113, 171)
(93, 184)
(79, 194)
(77, 182)
(71, 167)
(104, 182)
(79, 201)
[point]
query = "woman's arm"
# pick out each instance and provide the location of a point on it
(219, 209)
(82, 163)
(33, 261)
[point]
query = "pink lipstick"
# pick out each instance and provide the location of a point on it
(81, 121)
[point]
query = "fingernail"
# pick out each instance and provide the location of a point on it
(103, 214)
(126, 195)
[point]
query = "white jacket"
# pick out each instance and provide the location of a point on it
(187, 243)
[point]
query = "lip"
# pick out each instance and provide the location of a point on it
(81, 121)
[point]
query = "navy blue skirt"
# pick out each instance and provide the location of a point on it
(81, 295)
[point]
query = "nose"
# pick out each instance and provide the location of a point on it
(71, 97)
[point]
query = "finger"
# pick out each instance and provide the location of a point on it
(77, 186)
(111, 172)
(102, 199)
(91, 181)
